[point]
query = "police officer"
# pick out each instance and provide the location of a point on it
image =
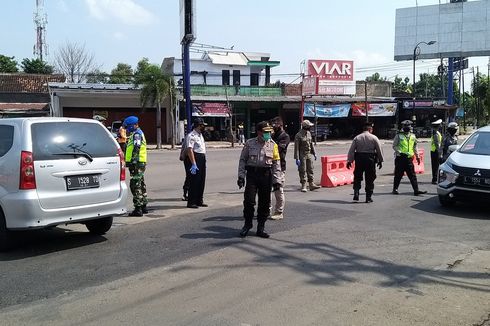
(260, 166)
(405, 146)
(435, 149)
(195, 162)
(303, 153)
(365, 150)
(281, 138)
(136, 159)
(450, 138)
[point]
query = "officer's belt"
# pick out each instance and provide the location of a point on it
(257, 169)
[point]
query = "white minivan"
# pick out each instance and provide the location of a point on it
(59, 171)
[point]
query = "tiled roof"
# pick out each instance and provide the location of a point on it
(27, 83)
(24, 106)
(109, 87)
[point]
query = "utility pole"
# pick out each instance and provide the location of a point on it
(464, 109)
(478, 96)
(366, 105)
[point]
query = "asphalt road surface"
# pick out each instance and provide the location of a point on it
(402, 260)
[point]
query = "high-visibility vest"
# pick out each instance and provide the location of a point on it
(406, 144)
(432, 142)
(130, 147)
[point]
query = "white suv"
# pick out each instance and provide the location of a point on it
(59, 171)
(466, 173)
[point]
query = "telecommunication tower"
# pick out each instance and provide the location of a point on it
(40, 20)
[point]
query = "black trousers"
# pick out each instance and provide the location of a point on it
(365, 165)
(187, 181)
(404, 164)
(196, 181)
(259, 182)
(434, 161)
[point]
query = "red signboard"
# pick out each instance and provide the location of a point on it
(210, 109)
(334, 70)
(310, 86)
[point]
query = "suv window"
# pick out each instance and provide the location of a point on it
(53, 140)
(478, 144)
(6, 139)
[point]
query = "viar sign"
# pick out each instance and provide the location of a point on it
(335, 77)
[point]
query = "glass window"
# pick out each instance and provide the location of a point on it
(6, 139)
(478, 144)
(55, 140)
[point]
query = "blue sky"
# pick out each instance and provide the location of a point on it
(127, 30)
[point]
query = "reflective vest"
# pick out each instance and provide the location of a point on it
(130, 147)
(432, 142)
(406, 144)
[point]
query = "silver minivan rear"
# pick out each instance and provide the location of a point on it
(58, 171)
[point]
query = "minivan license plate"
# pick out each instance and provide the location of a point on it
(82, 181)
(477, 181)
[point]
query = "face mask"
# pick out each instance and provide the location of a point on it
(406, 129)
(451, 131)
(130, 128)
(266, 136)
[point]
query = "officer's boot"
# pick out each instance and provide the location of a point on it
(136, 212)
(303, 187)
(356, 195)
(260, 230)
(313, 186)
(144, 209)
(369, 198)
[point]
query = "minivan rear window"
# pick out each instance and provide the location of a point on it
(6, 139)
(55, 140)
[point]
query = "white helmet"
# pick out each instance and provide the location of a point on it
(452, 125)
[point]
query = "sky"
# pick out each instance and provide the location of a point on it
(291, 31)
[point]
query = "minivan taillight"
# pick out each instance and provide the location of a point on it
(27, 176)
(122, 175)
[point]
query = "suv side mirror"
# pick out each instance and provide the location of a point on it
(454, 148)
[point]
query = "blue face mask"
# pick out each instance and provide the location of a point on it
(130, 128)
(267, 136)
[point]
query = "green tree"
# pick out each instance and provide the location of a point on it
(141, 67)
(97, 77)
(376, 77)
(122, 74)
(36, 66)
(155, 87)
(401, 85)
(8, 64)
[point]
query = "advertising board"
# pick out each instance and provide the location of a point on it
(334, 77)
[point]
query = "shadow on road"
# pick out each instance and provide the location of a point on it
(474, 210)
(41, 242)
(213, 232)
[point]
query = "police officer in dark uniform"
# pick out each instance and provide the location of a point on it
(260, 166)
(405, 146)
(365, 150)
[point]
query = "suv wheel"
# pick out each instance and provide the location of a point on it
(99, 226)
(445, 201)
(5, 235)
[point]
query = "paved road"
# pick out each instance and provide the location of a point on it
(401, 260)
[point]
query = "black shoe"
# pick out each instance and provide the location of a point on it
(419, 192)
(192, 206)
(184, 197)
(244, 231)
(136, 212)
(369, 200)
(356, 196)
(434, 182)
(262, 234)
(144, 209)
(203, 205)
(395, 192)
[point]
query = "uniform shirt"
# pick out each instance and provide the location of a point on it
(448, 141)
(195, 140)
(260, 154)
(396, 142)
(436, 141)
(365, 143)
(303, 144)
(282, 140)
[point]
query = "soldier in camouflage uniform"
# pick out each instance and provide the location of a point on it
(303, 153)
(136, 159)
(260, 166)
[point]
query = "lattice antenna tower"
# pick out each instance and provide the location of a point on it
(40, 20)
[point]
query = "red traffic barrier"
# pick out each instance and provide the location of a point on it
(335, 172)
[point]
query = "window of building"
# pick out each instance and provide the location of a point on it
(226, 77)
(236, 77)
(254, 79)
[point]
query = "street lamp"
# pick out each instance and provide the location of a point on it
(416, 52)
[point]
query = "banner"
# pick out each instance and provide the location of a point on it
(335, 77)
(375, 109)
(418, 104)
(208, 109)
(326, 111)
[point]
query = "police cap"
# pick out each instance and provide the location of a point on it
(407, 123)
(198, 122)
(263, 126)
(437, 122)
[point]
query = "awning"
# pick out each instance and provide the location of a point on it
(264, 63)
